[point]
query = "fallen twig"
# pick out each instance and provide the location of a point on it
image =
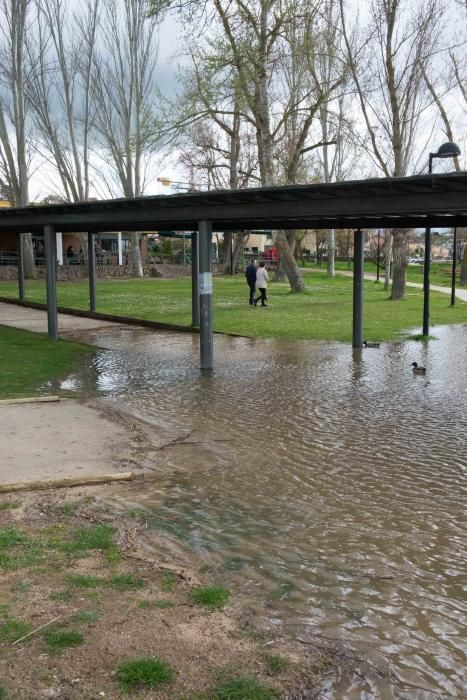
(36, 630)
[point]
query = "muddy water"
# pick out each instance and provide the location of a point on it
(328, 484)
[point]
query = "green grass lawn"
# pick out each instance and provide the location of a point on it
(324, 311)
(440, 272)
(28, 360)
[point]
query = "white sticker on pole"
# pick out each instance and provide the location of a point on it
(205, 282)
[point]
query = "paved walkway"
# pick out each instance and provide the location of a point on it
(460, 293)
(36, 320)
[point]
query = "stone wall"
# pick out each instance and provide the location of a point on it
(72, 273)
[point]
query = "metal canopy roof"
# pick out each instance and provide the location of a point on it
(423, 200)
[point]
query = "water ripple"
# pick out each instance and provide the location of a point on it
(334, 491)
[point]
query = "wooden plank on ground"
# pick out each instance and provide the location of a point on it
(63, 483)
(32, 399)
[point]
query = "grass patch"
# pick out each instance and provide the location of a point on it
(283, 591)
(21, 586)
(59, 639)
(6, 505)
(168, 581)
(126, 582)
(233, 564)
(210, 596)
(29, 360)
(421, 337)
(90, 538)
(275, 663)
(144, 673)
(163, 604)
(12, 629)
(61, 596)
(68, 508)
(17, 550)
(87, 616)
(155, 604)
(84, 581)
(2, 693)
(242, 688)
(323, 311)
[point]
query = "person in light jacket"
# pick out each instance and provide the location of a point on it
(261, 283)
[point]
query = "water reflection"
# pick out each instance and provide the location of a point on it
(328, 483)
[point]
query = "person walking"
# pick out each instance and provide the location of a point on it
(261, 284)
(250, 274)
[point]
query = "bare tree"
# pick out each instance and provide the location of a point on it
(268, 53)
(219, 155)
(61, 91)
(249, 33)
(14, 146)
(127, 129)
(387, 71)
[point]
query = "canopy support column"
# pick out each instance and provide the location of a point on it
(205, 294)
(119, 248)
(194, 279)
(358, 278)
(20, 253)
(51, 280)
(426, 283)
(92, 272)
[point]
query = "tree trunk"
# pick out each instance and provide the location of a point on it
(239, 241)
(83, 241)
(135, 255)
(280, 274)
(28, 257)
(232, 249)
(399, 263)
(387, 257)
(331, 245)
(463, 277)
(227, 251)
(289, 263)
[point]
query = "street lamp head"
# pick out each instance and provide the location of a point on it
(447, 150)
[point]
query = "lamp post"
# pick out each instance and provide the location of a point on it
(447, 150)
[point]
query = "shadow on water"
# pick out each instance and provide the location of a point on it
(326, 484)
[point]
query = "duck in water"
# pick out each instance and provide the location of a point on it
(418, 370)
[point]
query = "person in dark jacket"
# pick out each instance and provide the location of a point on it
(250, 274)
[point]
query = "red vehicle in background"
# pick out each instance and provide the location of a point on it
(271, 255)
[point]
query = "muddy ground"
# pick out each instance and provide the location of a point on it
(64, 555)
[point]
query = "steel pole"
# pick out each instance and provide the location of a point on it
(51, 281)
(231, 254)
(20, 253)
(426, 283)
(454, 263)
(358, 268)
(92, 272)
(426, 270)
(378, 257)
(194, 279)
(205, 294)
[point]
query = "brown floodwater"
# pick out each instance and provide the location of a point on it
(327, 485)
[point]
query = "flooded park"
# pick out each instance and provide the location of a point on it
(325, 486)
